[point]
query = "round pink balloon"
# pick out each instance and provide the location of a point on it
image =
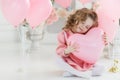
(111, 8)
(15, 11)
(64, 3)
(90, 45)
(85, 1)
(39, 12)
(107, 24)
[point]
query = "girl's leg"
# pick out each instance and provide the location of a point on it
(67, 67)
(68, 74)
(98, 70)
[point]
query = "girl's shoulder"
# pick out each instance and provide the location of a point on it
(67, 31)
(64, 32)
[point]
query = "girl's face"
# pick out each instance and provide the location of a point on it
(83, 27)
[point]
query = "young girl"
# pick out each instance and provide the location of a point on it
(79, 22)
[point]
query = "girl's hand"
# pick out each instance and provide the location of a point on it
(105, 39)
(70, 48)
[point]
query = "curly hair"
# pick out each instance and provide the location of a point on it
(80, 16)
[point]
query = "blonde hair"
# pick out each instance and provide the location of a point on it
(80, 16)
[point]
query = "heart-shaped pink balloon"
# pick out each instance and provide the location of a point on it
(90, 45)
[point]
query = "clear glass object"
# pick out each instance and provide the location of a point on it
(114, 47)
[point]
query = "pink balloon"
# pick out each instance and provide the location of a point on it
(85, 1)
(15, 11)
(64, 3)
(111, 8)
(90, 45)
(39, 12)
(107, 24)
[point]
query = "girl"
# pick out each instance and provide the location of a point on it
(79, 22)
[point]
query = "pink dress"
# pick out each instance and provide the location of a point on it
(70, 59)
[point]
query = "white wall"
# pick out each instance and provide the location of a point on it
(79, 5)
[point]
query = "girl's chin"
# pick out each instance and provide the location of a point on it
(80, 32)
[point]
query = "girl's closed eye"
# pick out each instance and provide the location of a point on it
(83, 23)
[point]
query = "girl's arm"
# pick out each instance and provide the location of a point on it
(61, 44)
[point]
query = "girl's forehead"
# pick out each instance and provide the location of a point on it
(88, 20)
